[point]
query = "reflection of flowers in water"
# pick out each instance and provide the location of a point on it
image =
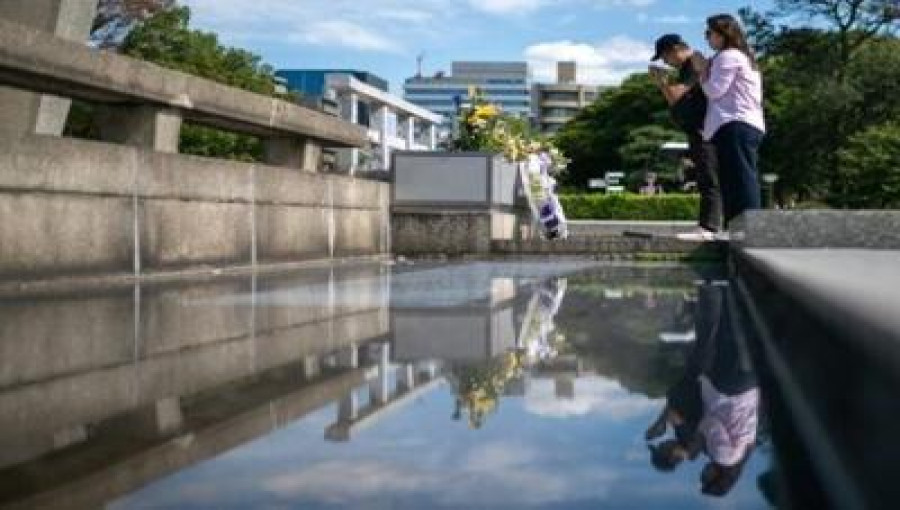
(479, 387)
(539, 337)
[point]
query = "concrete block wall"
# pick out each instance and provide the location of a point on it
(74, 207)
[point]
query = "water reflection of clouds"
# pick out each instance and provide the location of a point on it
(420, 459)
(501, 473)
(593, 396)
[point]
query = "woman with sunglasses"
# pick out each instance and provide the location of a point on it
(734, 119)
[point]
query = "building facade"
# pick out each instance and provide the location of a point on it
(393, 124)
(313, 82)
(311, 86)
(505, 84)
(554, 104)
(364, 99)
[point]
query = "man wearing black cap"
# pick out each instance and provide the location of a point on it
(688, 106)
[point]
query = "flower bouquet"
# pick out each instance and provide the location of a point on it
(483, 127)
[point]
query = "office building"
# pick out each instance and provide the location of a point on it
(505, 84)
(364, 99)
(554, 104)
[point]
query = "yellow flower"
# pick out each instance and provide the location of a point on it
(486, 111)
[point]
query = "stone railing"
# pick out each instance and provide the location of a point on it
(130, 205)
(145, 104)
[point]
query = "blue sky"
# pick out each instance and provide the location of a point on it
(536, 452)
(608, 38)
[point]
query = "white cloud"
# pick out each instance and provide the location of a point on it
(406, 15)
(506, 6)
(391, 27)
(593, 395)
(344, 34)
(519, 7)
(494, 474)
(602, 4)
(673, 20)
(605, 63)
(634, 3)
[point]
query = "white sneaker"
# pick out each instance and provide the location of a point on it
(698, 235)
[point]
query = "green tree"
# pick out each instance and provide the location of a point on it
(642, 151)
(869, 168)
(851, 22)
(166, 39)
(811, 113)
(593, 139)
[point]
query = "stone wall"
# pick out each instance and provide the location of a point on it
(74, 207)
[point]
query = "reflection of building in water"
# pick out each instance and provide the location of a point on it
(390, 387)
(107, 393)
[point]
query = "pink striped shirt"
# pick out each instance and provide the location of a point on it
(734, 90)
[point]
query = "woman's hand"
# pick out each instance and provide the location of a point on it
(700, 65)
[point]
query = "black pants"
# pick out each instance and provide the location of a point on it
(737, 148)
(703, 155)
(721, 352)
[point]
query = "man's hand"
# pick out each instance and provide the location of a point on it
(658, 74)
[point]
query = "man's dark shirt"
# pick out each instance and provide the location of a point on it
(690, 111)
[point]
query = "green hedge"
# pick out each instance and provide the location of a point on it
(629, 206)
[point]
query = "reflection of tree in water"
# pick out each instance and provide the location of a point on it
(618, 337)
(479, 386)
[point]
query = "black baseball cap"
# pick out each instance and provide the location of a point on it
(666, 43)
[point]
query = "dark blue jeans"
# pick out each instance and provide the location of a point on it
(737, 148)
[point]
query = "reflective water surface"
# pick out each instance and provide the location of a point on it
(479, 385)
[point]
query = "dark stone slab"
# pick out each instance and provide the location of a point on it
(817, 229)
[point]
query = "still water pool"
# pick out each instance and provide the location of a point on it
(478, 385)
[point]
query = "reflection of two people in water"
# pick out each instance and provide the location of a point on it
(714, 408)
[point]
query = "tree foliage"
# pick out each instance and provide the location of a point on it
(852, 22)
(642, 151)
(595, 137)
(869, 168)
(812, 112)
(166, 39)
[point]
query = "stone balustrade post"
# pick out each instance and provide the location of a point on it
(147, 127)
(23, 112)
(303, 154)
